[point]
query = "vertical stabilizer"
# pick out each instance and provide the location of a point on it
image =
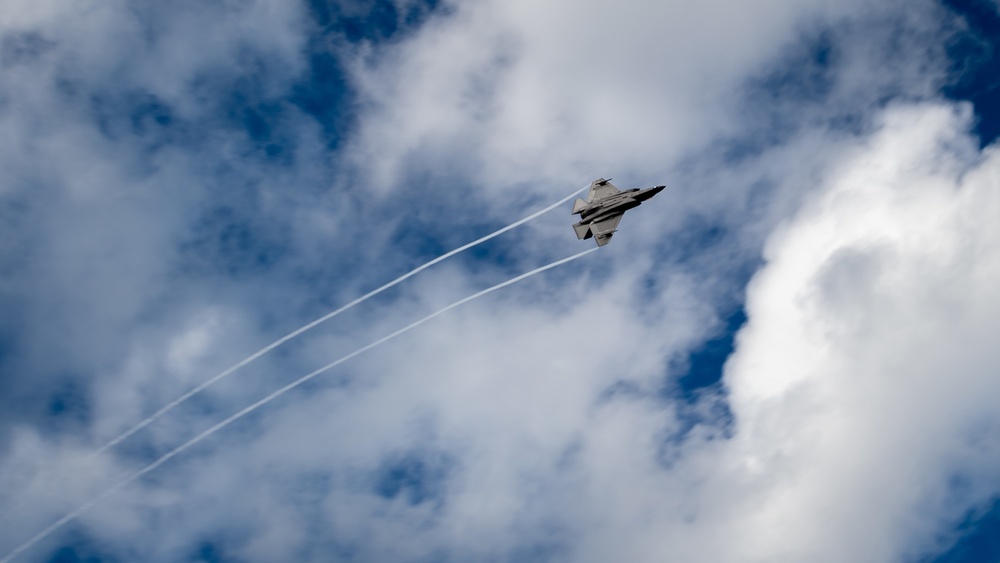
(579, 205)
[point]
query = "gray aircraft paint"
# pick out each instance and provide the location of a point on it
(601, 212)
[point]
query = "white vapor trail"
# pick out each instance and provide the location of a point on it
(247, 410)
(172, 404)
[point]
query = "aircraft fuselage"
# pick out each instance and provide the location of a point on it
(616, 204)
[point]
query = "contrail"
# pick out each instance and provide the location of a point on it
(170, 406)
(247, 410)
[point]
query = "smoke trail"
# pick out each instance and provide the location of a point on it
(172, 404)
(247, 410)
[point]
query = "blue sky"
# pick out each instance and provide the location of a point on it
(786, 356)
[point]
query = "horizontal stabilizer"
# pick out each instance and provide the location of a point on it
(579, 205)
(582, 231)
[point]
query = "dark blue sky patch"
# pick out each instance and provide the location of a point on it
(234, 242)
(255, 121)
(218, 544)
(211, 552)
(71, 555)
(698, 393)
(979, 540)
(8, 337)
(378, 21)
(78, 547)
(975, 57)
(325, 95)
(420, 240)
(150, 115)
(322, 11)
(269, 133)
(269, 136)
(69, 405)
(417, 13)
(416, 477)
(208, 552)
(706, 363)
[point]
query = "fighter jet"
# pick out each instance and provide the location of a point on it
(604, 207)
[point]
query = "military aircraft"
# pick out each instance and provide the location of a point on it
(604, 207)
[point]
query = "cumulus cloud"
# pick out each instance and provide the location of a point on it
(863, 383)
(591, 86)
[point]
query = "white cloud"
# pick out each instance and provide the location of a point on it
(862, 386)
(546, 91)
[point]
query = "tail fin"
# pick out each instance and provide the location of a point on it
(582, 231)
(579, 205)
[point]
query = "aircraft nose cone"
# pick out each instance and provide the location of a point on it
(650, 192)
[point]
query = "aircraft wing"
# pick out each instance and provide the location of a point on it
(601, 189)
(604, 229)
